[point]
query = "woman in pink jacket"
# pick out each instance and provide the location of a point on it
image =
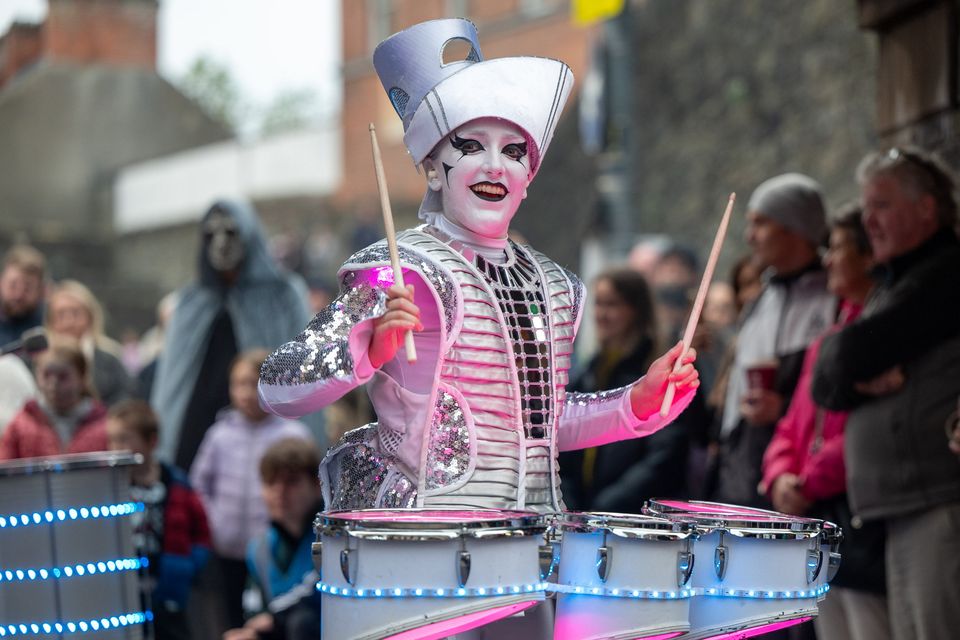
(803, 468)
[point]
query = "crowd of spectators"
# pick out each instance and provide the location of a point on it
(830, 368)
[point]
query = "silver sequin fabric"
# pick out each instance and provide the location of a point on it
(399, 493)
(586, 399)
(321, 351)
(448, 452)
(362, 471)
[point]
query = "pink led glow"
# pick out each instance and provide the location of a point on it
(463, 623)
(758, 631)
(713, 510)
(381, 276)
(713, 507)
(407, 515)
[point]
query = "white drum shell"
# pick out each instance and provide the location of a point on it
(429, 565)
(754, 565)
(635, 564)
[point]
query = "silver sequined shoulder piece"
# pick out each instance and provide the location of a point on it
(416, 255)
(322, 350)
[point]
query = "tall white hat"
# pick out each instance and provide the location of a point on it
(433, 98)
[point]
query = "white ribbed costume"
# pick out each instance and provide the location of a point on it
(469, 424)
(479, 419)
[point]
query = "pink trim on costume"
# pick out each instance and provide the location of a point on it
(454, 626)
(756, 631)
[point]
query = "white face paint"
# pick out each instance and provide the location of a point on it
(482, 171)
(224, 247)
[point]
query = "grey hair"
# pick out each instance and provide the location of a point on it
(920, 173)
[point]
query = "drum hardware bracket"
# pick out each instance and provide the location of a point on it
(833, 564)
(549, 553)
(463, 561)
(345, 563)
(720, 558)
(685, 560)
(604, 559)
(316, 553)
(814, 560)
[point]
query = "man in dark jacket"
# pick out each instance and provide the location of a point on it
(897, 370)
(786, 224)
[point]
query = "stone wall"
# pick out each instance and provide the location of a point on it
(727, 93)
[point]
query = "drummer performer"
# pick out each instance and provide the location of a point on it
(478, 420)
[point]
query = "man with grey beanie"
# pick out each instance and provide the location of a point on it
(786, 224)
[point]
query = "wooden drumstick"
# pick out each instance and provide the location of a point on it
(391, 234)
(698, 302)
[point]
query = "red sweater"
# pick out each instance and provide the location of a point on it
(30, 434)
(792, 449)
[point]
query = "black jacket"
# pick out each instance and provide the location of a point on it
(628, 472)
(895, 447)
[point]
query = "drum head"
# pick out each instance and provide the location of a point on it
(626, 525)
(423, 524)
(747, 521)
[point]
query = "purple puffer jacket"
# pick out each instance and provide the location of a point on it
(226, 474)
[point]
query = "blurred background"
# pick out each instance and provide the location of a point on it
(121, 121)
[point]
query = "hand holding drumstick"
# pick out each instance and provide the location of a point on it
(680, 362)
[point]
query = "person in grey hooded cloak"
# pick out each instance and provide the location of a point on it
(240, 300)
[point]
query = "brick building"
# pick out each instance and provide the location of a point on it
(80, 98)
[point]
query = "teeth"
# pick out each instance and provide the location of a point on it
(492, 189)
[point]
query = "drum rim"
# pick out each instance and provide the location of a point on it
(69, 462)
(771, 521)
(625, 525)
(512, 524)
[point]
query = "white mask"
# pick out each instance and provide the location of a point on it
(482, 171)
(221, 237)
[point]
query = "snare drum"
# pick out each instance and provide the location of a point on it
(423, 574)
(756, 570)
(623, 576)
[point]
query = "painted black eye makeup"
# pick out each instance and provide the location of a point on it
(516, 151)
(465, 146)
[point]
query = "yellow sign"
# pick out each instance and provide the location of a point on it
(587, 12)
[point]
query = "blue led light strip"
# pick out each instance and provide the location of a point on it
(417, 592)
(761, 594)
(75, 626)
(610, 592)
(73, 513)
(757, 594)
(70, 570)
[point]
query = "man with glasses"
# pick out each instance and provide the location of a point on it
(897, 370)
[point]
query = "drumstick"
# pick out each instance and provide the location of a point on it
(391, 234)
(698, 303)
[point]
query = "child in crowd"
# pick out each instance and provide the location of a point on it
(225, 474)
(280, 561)
(171, 532)
(65, 418)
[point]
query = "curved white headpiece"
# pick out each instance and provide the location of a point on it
(433, 98)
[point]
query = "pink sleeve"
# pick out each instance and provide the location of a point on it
(824, 473)
(594, 419)
(781, 453)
